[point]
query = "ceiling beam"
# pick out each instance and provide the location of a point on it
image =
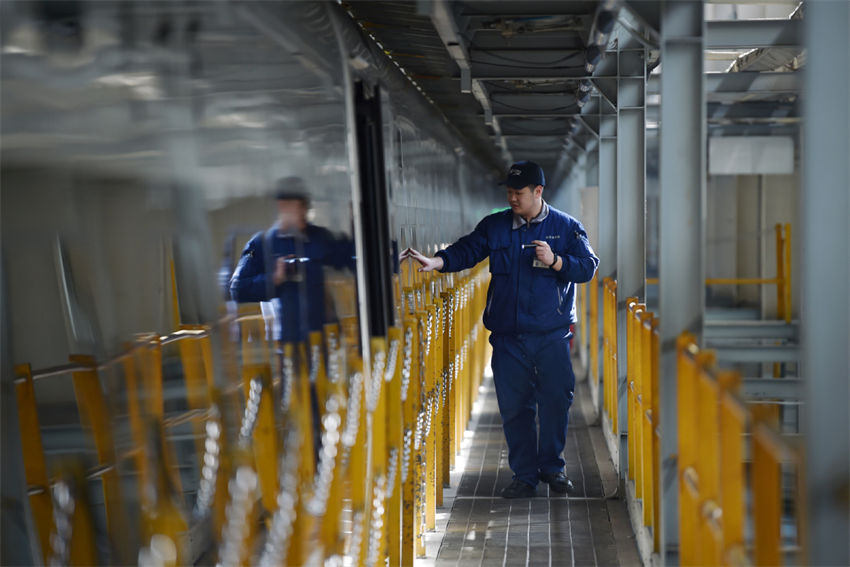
(744, 82)
(557, 9)
(749, 109)
(496, 72)
(530, 77)
(537, 114)
(559, 135)
(532, 102)
(753, 34)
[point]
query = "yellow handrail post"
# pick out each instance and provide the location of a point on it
(196, 382)
(632, 379)
(93, 413)
(593, 315)
(256, 364)
(358, 464)
(137, 427)
(767, 496)
(780, 273)
(300, 415)
(447, 350)
(376, 407)
(395, 443)
(707, 458)
(453, 374)
(410, 407)
(430, 425)
(645, 416)
(439, 372)
(655, 434)
(419, 468)
(35, 468)
(787, 275)
(329, 530)
(733, 423)
(687, 454)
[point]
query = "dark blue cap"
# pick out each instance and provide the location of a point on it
(525, 173)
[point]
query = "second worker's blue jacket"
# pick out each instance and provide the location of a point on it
(301, 306)
(523, 298)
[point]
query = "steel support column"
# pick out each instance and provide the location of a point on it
(607, 244)
(591, 168)
(631, 213)
(825, 281)
(682, 226)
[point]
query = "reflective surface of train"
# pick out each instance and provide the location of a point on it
(143, 145)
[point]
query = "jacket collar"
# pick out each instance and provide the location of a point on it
(519, 221)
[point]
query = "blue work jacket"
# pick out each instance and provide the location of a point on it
(301, 299)
(523, 298)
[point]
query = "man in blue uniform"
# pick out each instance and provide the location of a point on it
(286, 264)
(537, 255)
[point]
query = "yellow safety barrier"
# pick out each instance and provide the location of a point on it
(161, 506)
(713, 426)
(609, 352)
(35, 468)
(633, 368)
(94, 415)
(410, 393)
(782, 281)
(391, 428)
(260, 412)
(642, 410)
(593, 331)
(395, 445)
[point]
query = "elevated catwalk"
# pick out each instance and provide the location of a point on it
(485, 529)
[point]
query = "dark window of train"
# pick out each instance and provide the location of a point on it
(373, 202)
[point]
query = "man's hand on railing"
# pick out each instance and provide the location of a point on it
(427, 264)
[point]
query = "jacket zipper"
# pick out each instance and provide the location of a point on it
(558, 297)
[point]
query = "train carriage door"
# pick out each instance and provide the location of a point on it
(374, 208)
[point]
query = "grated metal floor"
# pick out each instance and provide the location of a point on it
(484, 529)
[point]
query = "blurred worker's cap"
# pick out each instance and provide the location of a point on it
(525, 173)
(292, 188)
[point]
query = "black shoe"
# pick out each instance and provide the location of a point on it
(519, 489)
(558, 482)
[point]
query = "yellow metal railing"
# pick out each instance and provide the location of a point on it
(158, 479)
(782, 281)
(609, 352)
(390, 430)
(715, 427)
(642, 410)
(593, 330)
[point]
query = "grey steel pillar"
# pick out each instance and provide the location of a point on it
(607, 245)
(591, 177)
(682, 225)
(631, 213)
(824, 275)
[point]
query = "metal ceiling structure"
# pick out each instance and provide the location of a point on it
(512, 76)
(533, 79)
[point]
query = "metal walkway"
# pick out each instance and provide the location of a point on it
(585, 528)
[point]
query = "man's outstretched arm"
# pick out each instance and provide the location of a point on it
(426, 263)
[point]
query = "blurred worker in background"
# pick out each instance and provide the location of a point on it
(537, 255)
(286, 264)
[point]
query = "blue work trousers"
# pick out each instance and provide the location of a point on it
(534, 377)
